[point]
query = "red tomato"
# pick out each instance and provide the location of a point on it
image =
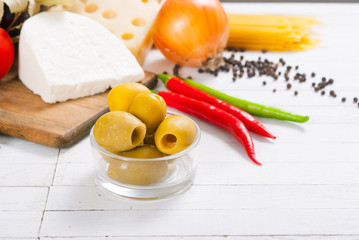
(6, 52)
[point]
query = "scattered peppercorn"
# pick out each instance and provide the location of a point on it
(343, 99)
(274, 90)
(264, 67)
(176, 69)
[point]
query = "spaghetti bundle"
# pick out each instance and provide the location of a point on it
(271, 32)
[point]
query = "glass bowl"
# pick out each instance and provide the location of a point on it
(145, 178)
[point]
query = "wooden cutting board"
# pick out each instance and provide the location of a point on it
(24, 115)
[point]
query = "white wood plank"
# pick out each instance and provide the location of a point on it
(288, 132)
(15, 225)
(15, 151)
(26, 174)
(80, 152)
(306, 9)
(282, 152)
(245, 172)
(79, 198)
(23, 198)
(237, 171)
(11, 238)
(74, 174)
(225, 237)
(201, 222)
(267, 150)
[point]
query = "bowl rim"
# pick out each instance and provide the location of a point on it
(102, 150)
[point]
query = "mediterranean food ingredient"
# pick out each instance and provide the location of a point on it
(150, 108)
(271, 32)
(63, 55)
(119, 131)
(150, 139)
(121, 97)
(214, 115)
(177, 85)
(137, 172)
(174, 134)
(250, 107)
(131, 21)
(143, 151)
(191, 32)
(6, 52)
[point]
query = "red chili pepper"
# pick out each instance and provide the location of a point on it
(214, 115)
(177, 85)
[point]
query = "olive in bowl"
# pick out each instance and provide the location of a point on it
(119, 131)
(144, 172)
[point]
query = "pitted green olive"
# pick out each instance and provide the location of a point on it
(119, 131)
(139, 172)
(120, 97)
(174, 134)
(150, 108)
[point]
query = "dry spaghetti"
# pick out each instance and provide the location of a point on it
(271, 32)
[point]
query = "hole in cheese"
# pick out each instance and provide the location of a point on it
(109, 14)
(91, 8)
(127, 36)
(139, 22)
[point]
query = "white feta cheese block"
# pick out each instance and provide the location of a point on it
(64, 56)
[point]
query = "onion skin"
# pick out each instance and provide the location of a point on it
(188, 32)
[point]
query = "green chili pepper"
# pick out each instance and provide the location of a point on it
(250, 107)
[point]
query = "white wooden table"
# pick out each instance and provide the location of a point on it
(307, 188)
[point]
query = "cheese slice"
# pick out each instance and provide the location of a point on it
(64, 55)
(130, 20)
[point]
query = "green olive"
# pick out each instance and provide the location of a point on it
(143, 151)
(120, 97)
(150, 108)
(119, 131)
(174, 134)
(149, 139)
(139, 172)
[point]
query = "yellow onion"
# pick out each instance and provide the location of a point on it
(191, 32)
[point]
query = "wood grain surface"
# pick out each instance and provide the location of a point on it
(25, 115)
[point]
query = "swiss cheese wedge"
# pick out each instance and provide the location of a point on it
(130, 20)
